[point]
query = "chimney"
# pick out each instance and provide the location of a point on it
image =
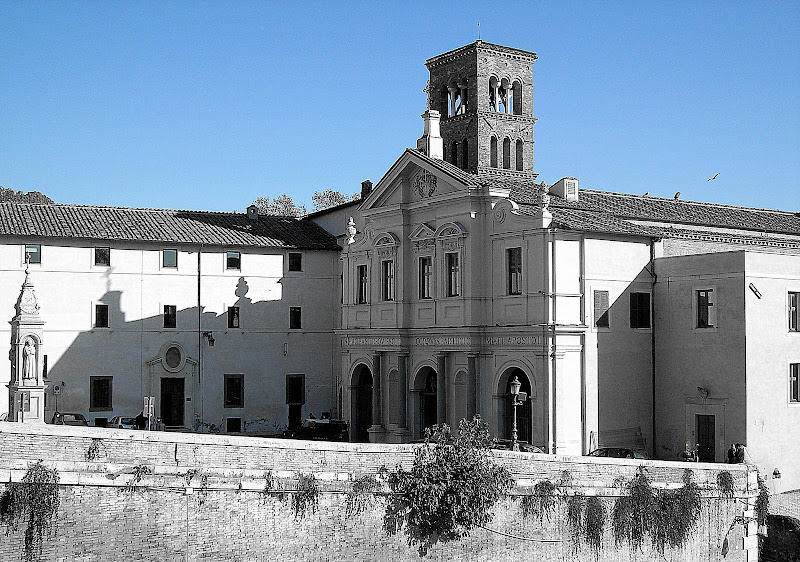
(566, 188)
(366, 188)
(252, 213)
(431, 142)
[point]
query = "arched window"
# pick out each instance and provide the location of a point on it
(516, 88)
(505, 96)
(507, 153)
(493, 152)
(464, 155)
(493, 93)
(519, 155)
(454, 153)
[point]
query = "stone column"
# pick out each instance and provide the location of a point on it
(377, 403)
(473, 386)
(402, 374)
(441, 388)
(463, 94)
(451, 110)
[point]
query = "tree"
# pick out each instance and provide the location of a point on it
(329, 198)
(7, 194)
(282, 205)
(452, 487)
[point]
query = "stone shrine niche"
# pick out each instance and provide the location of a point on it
(27, 387)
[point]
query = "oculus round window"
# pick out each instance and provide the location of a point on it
(173, 357)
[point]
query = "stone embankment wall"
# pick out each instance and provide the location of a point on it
(152, 496)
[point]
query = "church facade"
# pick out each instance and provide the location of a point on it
(627, 320)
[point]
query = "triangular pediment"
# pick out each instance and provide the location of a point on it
(415, 178)
(422, 232)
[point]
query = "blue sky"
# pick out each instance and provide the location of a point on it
(208, 105)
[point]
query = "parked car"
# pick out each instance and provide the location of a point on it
(122, 422)
(524, 446)
(320, 430)
(60, 418)
(619, 453)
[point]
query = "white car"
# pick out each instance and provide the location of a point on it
(122, 422)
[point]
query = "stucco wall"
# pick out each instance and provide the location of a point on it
(172, 515)
(772, 420)
(136, 287)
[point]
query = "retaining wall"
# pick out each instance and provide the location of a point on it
(153, 496)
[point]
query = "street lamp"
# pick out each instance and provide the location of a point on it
(517, 399)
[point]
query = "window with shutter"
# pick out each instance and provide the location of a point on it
(601, 316)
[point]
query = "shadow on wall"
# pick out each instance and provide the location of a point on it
(624, 330)
(207, 371)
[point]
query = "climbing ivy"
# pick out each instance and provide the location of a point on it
(36, 498)
(668, 517)
(451, 488)
(725, 483)
(361, 495)
(306, 498)
(762, 502)
(541, 503)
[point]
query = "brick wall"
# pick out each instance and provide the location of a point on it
(218, 511)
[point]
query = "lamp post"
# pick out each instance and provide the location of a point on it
(517, 399)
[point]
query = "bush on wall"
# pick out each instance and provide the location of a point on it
(451, 487)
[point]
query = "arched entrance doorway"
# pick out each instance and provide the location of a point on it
(524, 411)
(426, 387)
(360, 404)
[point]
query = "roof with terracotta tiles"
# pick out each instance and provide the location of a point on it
(160, 225)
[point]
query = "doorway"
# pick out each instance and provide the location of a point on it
(361, 405)
(172, 401)
(428, 401)
(705, 425)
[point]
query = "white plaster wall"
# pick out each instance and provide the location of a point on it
(618, 366)
(136, 288)
(773, 423)
(688, 358)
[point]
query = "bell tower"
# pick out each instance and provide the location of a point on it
(484, 94)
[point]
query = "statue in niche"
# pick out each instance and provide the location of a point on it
(29, 361)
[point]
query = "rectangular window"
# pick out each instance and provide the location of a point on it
(170, 316)
(706, 313)
(33, 253)
(233, 317)
(234, 391)
(100, 394)
(295, 389)
(514, 271)
(387, 280)
(451, 266)
(640, 310)
(295, 261)
(101, 316)
(794, 382)
(233, 425)
(233, 260)
(102, 256)
(601, 316)
(362, 289)
(295, 318)
(425, 277)
(169, 258)
(794, 315)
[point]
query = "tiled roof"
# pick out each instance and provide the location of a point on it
(448, 168)
(660, 210)
(576, 219)
(159, 225)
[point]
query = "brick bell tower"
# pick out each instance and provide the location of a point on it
(484, 94)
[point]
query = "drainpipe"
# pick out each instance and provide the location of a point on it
(200, 380)
(653, 281)
(554, 383)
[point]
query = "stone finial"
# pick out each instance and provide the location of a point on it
(351, 231)
(27, 304)
(543, 192)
